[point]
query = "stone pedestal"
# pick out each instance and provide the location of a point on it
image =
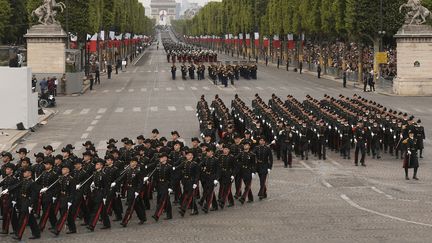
(46, 45)
(414, 61)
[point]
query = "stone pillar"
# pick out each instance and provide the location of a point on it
(414, 61)
(46, 45)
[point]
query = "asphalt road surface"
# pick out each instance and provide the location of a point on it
(316, 201)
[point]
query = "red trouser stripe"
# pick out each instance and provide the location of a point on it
(247, 189)
(109, 209)
(96, 218)
(44, 218)
(209, 201)
(129, 212)
(159, 212)
(62, 221)
(23, 226)
(77, 210)
(190, 200)
(39, 207)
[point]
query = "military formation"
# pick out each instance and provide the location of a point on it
(310, 128)
(65, 191)
(192, 66)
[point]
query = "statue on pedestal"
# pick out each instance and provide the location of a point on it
(417, 14)
(47, 11)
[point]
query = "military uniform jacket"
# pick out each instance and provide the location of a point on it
(26, 194)
(163, 176)
(246, 162)
(264, 159)
(209, 168)
(38, 169)
(47, 179)
(360, 134)
(67, 187)
(101, 184)
(189, 171)
(133, 178)
(112, 173)
(3, 168)
(7, 183)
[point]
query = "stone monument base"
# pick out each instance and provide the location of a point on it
(46, 48)
(414, 61)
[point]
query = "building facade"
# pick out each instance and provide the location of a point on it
(163, 11)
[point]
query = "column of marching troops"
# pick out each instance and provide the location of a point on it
(196, 57)
(297, 128)
(60, 189)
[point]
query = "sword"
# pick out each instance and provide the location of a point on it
(87, 180)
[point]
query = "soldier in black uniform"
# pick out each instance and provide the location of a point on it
(346, 136)
(133, 178)
(80, 177)
(38, 168)
(247, 167)
(47, 196)
(227, 171)
(66, 188)
(184, 71)
(7, 160)
(360, 143)
(286, 139)
(420, 136)
(48, 151)
(99, 191)
(163, 178)
(264, 164)
(192, 71)
(376, 140)
(209, 179)
(411, 160)
(189, 178)
(26, 202)
(8, 210)
(175, 159)
(173, 71)
(304, 141)
(22, 153)
(113, 199)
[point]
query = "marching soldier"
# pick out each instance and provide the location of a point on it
(67, 187)
(286, 139)
(227, 171)
(411, 160)
(173, 71)
(8, 209)
(360, 143)
(47, 195)
(264, 164)
(189, 178)
(420, 136)
(247, 168)
(209, 179)
(114, 201)
(376, 139)
(163, 178)
(184, 71)
(346, 135)
(304, 141)
(7, 161)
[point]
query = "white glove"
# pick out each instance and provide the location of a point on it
(253, 175)
(394, 136)
(215, 182)
(355, 140)
(170, 191)
(409, 152)
(136, 194)
(340, 135)
(232, 178)
(54, 199)
(173, 168)
(401, 136)
(268, 170)
(104, 201)
(113, 184)
(145, 167)
(145, 179)
(273, 142)
(194, 186)
(78, 186)
(92, 185)
(5, 192)
(69, 204)
(30, 209)
(13, 203)
(43, 190)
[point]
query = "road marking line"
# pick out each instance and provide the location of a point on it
(353, 204)
(101, 145)
(84, 136)
(381, 192)
(143, 89)
(246, 88)
(154, 108)
(188, 108)
(94, 122)
(131, 90)
(102, 110)
(119, 110)
(181, 88)
(119, 90)
(306, 165)
(403, 110)
(85, 111)
(98, 117)
(105, 91)
(193, 88)
(90, 128)
(172, 108)
(55, 145)
(259, 88)
(163, 71)
(31, 146)
(156, 89)
(78, 145)
(206, 88)
(156, 71)
(149, 71)
(137, 109)
(168, 89)
(328, 185)
(68, 112)
(418, 110)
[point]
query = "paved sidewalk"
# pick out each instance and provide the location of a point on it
(10, 137)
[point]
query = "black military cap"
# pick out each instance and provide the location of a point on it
(28, 169)
(58, 156)
(129, 142)
(163, 155)
(163, 139)
(147, 140)
(226, 146)
(49, 160)
(247, 132)
(27, 159)
(7, 154)
(48, 147)
(87, 143)
(66, 150)
(22, 150)
(100, 161)
(87, 153)
(411, 132)
(155, 131)
(261, 138)
(176, 133)
(125, 139)
(135, 158)
(405, 114)
(111, 146)
(237, 136)
(112, 140)
(78, 161)
(140, 147)
(418, 121)
(39, 155)
(115, 151)
(188, 151)
(10, 166)
(140, 137)
(195, 139)
(70, 147)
